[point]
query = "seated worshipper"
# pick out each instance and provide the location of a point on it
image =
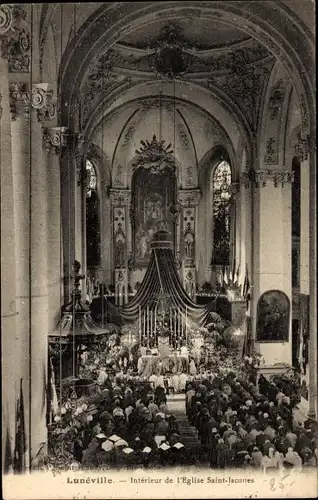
(270, 461)
(281, 442)
(162, 425)
(153, 408)
(228, 414)
(269, 431)
(89, 456)
(291, 438)
(163, 407)
(224, 455)
(160, 396)
(128, 399)
(173, 425)
(292, 460)
(257, 457)
(307, 457)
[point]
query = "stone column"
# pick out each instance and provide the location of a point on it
(14, 58)
(305, 150)
(68, 181)
(120, 199)
(20, 134)
(54, 242)
(39, 269)
(189, 200)
(272, 248)
(10, 354)
(313, 352)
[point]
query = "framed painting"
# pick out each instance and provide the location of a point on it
(273, 312)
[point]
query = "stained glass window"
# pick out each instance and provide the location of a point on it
(91, 183)
(222, 198)
(92, 217)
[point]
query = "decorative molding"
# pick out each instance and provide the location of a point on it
(171, 60)
(244, 85)
(119, 181)
(100, 80)
(190, 176)
(120, 197)
(304, 113)
(155, 156)
(271, 157)
(303, 147)
(55, 138)
(15, 46)
(6, 19)
(260, 178)
(276, 99)
(19, 98)
(189, 197)
(156, 102)
(48, 113)
(42, 102)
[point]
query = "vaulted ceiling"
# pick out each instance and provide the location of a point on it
(108, 54)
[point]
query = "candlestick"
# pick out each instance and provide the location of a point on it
(186, 326)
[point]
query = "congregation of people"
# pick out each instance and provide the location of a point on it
(241, 425)
(131, 425)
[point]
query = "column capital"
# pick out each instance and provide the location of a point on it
(189, 197)
(303, 147)
(42, 101)
(55, 138)
(260, 178)
(19, 98)
(120, 197)
(15, 38)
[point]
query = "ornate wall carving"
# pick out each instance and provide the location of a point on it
(260, 178)
(189, 200)
(15, 46)
(271, 153)
(276, 99)
(120, 199)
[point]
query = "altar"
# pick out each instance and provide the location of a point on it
(161, 365)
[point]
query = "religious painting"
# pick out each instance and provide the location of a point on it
(273, 311)
(153, 195)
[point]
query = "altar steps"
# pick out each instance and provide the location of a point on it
(188, 434)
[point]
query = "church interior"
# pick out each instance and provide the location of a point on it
(158, 232)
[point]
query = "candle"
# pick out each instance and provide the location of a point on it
(144, 325)
(151, 321)
(140, 331)
(147, 325)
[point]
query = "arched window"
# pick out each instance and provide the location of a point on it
(222, 197)
(92, 218)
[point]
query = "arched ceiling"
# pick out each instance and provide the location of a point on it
(196, 32)
(228, 48)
